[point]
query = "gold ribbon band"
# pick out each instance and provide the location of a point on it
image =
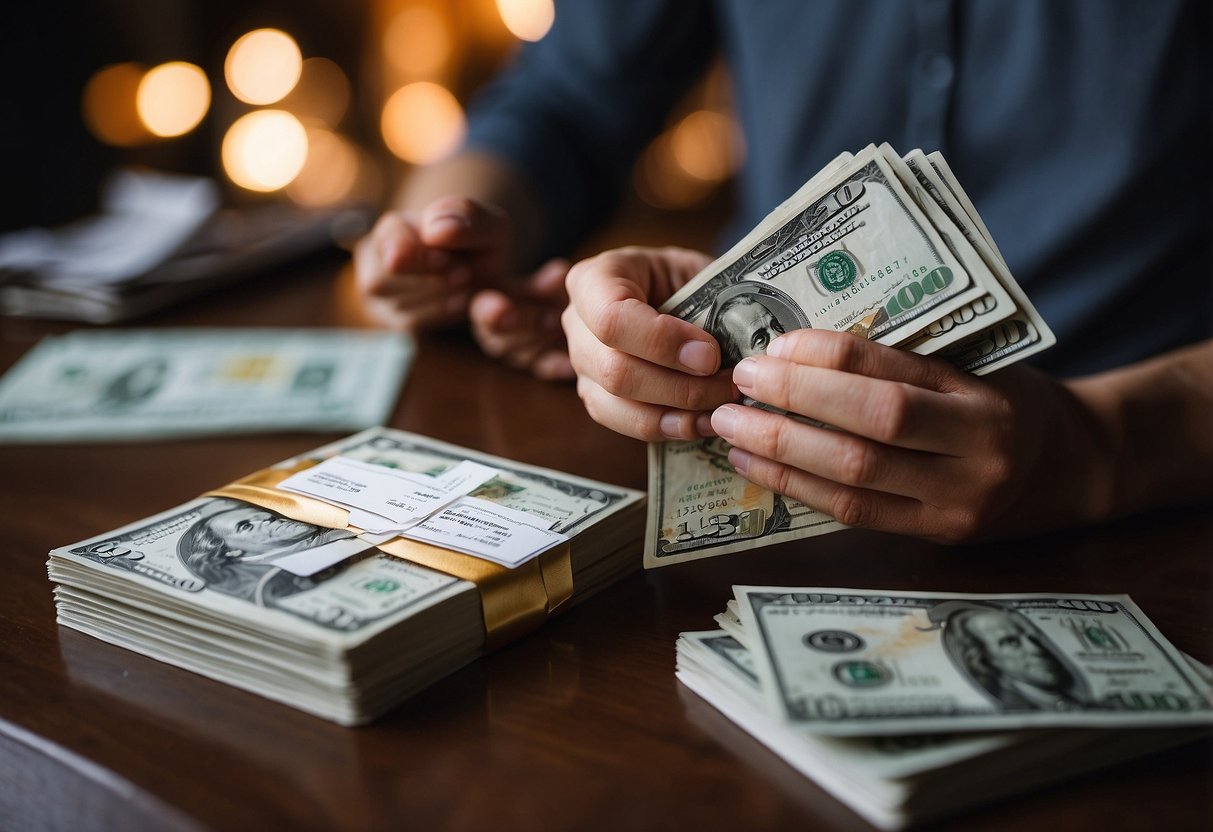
(514, 601)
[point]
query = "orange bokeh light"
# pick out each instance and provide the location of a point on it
(322, 95)
(702, 145)
(173, 98)
(417, 42)
(422, 122)
(263, 66)
(108, 105)
(527, 19)
(264, 150)
(330, 173)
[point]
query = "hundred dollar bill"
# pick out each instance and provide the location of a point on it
(992, 331)
(201, 585)
(564, 503)
(898, 779)
(150, 384)
(995, 301)
(851, 662)
(700, 507)
(852, 251)
(944, 171)
(730, 666)
(216, 548)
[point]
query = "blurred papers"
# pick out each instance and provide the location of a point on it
(158, 238)
(153, 384)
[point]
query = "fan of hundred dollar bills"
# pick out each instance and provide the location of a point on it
(884, 246)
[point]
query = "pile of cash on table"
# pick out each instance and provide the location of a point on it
(345, 580)
(887, 699)
(909, 705)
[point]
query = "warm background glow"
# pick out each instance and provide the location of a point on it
(422, 122)
(322, 94)
(417, 42)
(390, 88)
(330, 172)
(264, 150)
(263, 66)
(108, 105)
(704, 147)
(527, 19)
(172, 98)
(689, 161)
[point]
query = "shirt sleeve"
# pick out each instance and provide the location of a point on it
(574, 110)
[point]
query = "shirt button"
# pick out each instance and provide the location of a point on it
(936, 68)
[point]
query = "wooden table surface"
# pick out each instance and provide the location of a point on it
(578, 726)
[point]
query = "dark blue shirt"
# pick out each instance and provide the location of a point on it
(1082, 130)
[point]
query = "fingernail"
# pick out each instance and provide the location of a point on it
(703, 424)
(724, 421)
(671, 426)
(740, 460)
(775, 348)
(447, 224)
(697, 356)
(745, 372)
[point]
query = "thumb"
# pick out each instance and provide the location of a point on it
(461, 224)
(546, 285)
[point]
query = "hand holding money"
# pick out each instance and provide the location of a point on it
(913, 446)
(889, 249)
(641, 373)
(875, 246)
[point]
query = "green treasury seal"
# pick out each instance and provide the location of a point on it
(836, 270)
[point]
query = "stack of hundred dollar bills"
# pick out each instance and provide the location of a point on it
(887, 247)
(908, 705)
(317, 617)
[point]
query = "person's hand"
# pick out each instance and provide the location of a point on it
(520, 325)
(447, 266)
(641, 373)
(419, 272)
(915, 446)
